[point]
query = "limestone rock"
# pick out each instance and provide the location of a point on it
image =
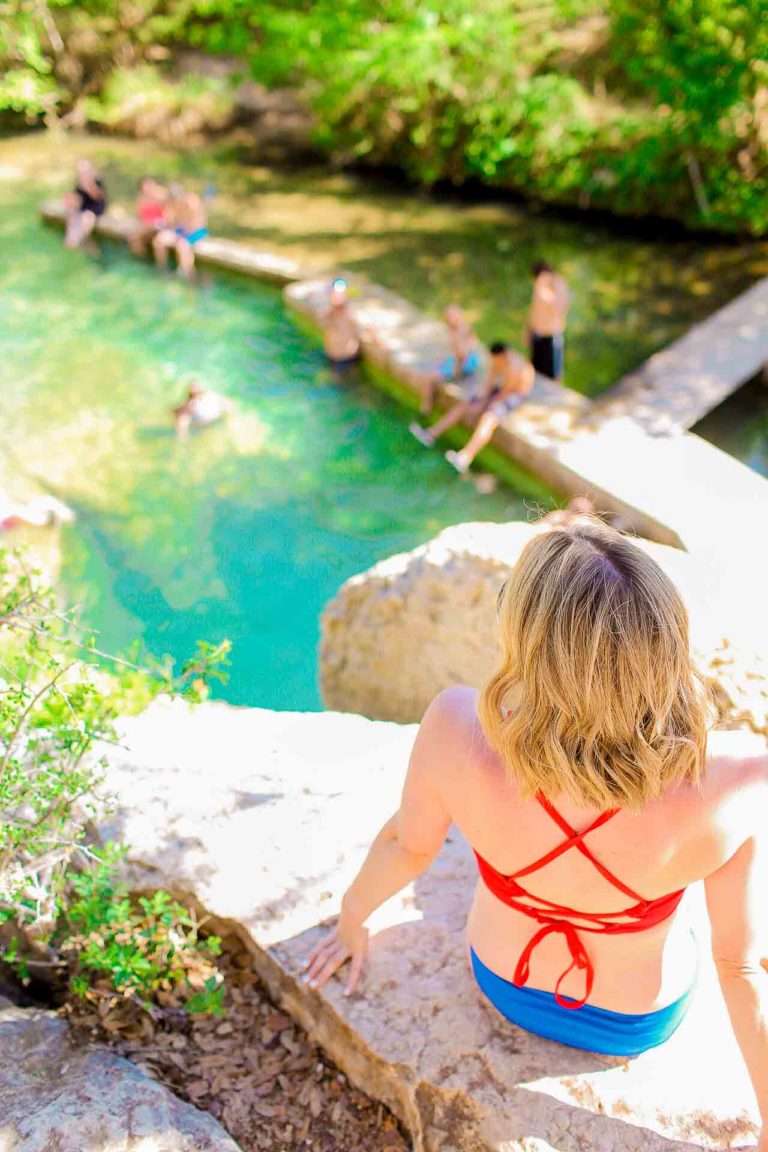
(396, 635)
(263, 818)
(55, 1097)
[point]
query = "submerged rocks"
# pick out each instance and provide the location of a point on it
(262, 819)
(55, 1097)
(396, 635)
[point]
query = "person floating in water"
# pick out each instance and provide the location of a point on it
(203, 406)
(547, 317)
(508, 381)
(187, 225)
(460, 365)
(84, 205)
(341, 334)
(39, 512)
(151, 207)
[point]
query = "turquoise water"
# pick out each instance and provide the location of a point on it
(246, 530)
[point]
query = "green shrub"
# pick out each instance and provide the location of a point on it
(141, 948)
(143, 102)
(58, 702)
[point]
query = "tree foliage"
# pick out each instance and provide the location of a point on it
(636, 106)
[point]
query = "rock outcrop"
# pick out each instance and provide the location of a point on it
(263, 818)
(55, 1097)
(396, 635)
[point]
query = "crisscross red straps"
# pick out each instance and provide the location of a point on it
(576, 840)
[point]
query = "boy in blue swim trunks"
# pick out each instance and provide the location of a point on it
(187, 226)
(461, 364)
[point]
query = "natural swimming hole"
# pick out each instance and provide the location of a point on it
(247, 529)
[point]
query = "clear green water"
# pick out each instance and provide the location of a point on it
(243, 532)
(740, 426)
(246, 531)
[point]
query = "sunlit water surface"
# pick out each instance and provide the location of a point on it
(244, 531)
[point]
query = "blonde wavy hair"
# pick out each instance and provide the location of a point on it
(595, 696)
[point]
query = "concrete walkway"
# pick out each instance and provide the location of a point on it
(228, 254)
(670, 489)
(679, 385)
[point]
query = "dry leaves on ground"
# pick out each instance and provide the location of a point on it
(254, 1070)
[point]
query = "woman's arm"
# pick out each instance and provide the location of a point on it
(736, 900)
(404, 848)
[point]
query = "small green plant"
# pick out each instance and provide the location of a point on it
(141, 948)
(62, 907)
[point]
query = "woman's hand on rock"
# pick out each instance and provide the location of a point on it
(347, 941)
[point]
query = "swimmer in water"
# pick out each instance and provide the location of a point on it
(203, 406)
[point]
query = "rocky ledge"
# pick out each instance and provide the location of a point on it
(262, 818)
(55, 1097)
(396, 635)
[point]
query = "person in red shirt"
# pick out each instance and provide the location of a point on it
(151, 204)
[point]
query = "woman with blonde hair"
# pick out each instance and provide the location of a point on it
(586, 779)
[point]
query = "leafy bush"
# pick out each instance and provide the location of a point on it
(143, 102)
(637, 106)
(57, 703)
(147, 949)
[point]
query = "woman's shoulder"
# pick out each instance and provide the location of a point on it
(735, 782)
(455, 706)
(451, 724)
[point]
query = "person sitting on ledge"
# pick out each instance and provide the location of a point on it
(341, 334)
(462, 363)
(84, 205)
(586, 778)
(187, 226)
(508, 381)
(203, 406)
(151, 205)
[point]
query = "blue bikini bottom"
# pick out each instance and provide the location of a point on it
(594, 1029)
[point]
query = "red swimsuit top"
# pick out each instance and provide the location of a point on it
(558, 918)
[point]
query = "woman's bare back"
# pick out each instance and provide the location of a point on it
(672, 844)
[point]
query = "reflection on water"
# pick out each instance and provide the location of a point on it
(740, 425)
(244, 531)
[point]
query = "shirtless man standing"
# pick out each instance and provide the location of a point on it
(545, 329)
(510, 379)
(341, 337)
